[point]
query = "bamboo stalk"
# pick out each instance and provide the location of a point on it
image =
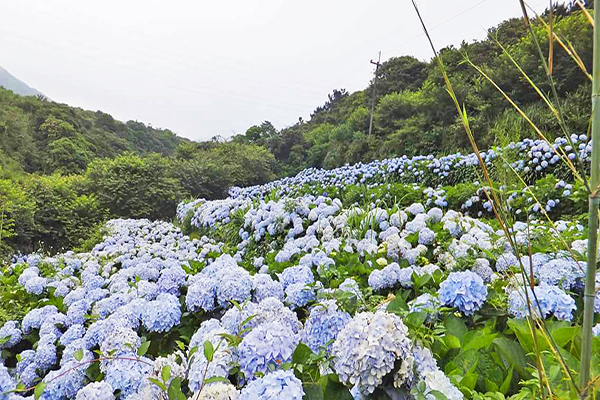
(590, 284)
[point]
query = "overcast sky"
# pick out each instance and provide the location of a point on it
(205, 68)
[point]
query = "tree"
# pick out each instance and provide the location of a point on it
(133, 187)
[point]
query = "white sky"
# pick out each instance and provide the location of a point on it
(204, 68)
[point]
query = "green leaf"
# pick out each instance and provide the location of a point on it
(452, 342)
(504, 388)
(302, 354)
(174, 390)
(39, 390)
(469, 381)
(216, 379)
(333, 389)
(397, 305)
(455, 326)
(158, 383)
(490, 386)
(244, 322)
(416, 319)
(312, 391)
(562, 336)
(477, 340)
(143, 348)
(513, 354)
(166, 373)
(192, 352)
(78, 355)
(437, 394)
(209, 350)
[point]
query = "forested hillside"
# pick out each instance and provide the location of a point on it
(38, 135)
(415, 115)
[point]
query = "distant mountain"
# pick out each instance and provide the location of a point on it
(19, 87)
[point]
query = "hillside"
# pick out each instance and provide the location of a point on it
(38, 135)
(10, 82)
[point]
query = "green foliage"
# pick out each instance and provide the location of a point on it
(133, 187)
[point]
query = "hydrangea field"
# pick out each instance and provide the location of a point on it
(387, 280)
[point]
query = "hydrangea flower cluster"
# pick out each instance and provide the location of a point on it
(323, 325)
(464, 290)
(274, 386)
(550, 299)
(367, 348)
(265, 348)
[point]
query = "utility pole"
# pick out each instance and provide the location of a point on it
(377, 64)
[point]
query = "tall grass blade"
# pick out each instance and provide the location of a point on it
(551, 38)
(594, 201)
(566, 45)
(585, 11)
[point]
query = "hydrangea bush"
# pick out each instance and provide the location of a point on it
(304, 292)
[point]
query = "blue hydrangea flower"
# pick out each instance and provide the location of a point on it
(96, 391)
(126, 375)
(162, 314)
(201, 294)
(274, 386)
(27, 274)
(596, 330)
(75, 295)
(298, 274)
(426, 236)
(264, 286)
(34, 318)
(73, 347)
(171, 279)
(45, 356)
(233, 318)
(77, 311)
(63, 383)
(121, 340)
(368, 347)
(109, 305)
(267, 346)
(438, 381)
(298, 295)
(551, 299)
(218, 391)
(36, 285)
(234, 284)
(323, 325)
(426, 303)
(561, 272)
(205, 327)
(10, 335)
(464, 290)
(74, 332)
(482, 268)
(390, 276)
(271, 309)
(7, 383)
